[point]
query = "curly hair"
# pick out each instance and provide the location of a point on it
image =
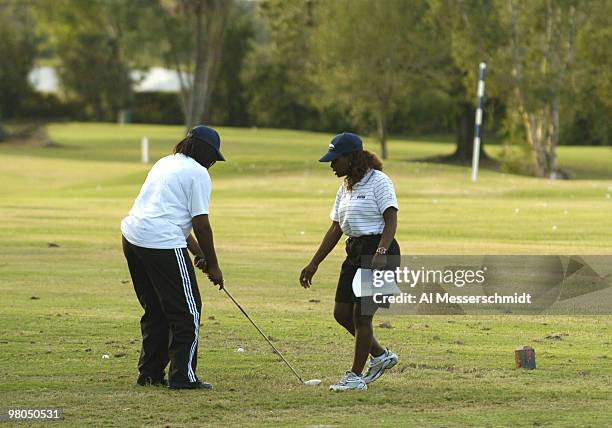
(198, 150)
(359, 164)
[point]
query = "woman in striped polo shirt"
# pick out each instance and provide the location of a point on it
(366, 211)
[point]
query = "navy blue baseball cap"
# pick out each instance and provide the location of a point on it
(209, 136)
(342, 144)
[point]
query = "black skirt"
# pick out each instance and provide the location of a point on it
(359, 253)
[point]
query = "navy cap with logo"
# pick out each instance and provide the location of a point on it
(342, 144)
(209, 136)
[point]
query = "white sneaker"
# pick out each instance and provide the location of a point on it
(348, 382)
(377, 366)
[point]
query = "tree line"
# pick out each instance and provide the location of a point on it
(375, 66)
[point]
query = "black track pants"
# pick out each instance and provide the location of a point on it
(166, 287)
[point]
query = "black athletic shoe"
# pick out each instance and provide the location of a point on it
(192, 385)
(149, 381)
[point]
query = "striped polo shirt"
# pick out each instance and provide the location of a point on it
(360, 211)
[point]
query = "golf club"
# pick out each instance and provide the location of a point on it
(311, 382)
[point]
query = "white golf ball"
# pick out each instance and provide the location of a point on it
(240, 350)
(313, 382)
(105, 356)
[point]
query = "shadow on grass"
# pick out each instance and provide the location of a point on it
(28, 134)
(594, 168)
(486, 162)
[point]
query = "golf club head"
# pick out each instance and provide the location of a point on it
(312, 382)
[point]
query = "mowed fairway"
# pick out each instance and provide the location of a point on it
(62, 307)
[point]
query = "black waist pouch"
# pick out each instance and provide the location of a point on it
(361, 249)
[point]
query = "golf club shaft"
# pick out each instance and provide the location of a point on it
(262, 333)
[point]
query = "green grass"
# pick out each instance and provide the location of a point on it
(270, 207)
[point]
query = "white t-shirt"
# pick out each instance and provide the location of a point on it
(360, 211)
(176, 190)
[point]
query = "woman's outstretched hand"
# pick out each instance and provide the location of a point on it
(307, 274)
(379, 261)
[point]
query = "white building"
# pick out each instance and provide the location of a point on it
(155, 79)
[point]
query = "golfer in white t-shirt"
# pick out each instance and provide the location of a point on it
(173, 201)
(366, 211)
